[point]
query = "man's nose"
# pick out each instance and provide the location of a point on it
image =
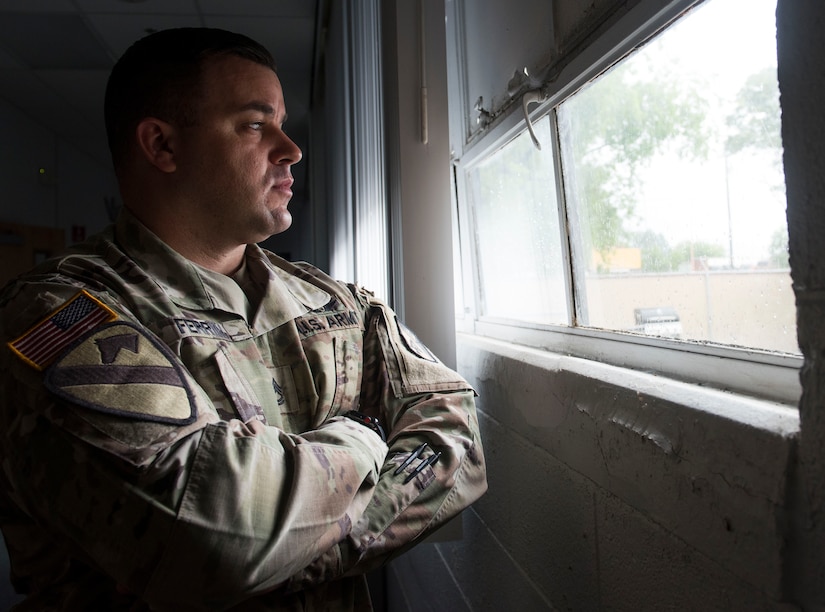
(284, 150)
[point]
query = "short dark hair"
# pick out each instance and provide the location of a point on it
(159, 76)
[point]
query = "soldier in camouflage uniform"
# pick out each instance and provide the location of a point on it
(177, 404)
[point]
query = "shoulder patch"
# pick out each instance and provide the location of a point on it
(41, 344)
(120, 369)
(413, 344)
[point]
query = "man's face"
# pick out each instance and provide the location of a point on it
(233, 164)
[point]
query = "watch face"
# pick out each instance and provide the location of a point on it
(367, 421)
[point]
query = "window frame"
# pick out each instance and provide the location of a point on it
(763, 374)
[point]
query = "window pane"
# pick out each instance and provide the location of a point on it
(520, 261)
(673, 178)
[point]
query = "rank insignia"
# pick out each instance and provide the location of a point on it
(120, 369)
(39, 346)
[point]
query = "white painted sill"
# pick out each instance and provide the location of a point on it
(780, 418)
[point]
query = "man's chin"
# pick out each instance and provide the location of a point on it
(281, 221)
(278, 222)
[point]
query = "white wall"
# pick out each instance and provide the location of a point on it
(420, 171)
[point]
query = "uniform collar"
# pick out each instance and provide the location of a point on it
(193, 287)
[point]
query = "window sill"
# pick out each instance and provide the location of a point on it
(773, 377)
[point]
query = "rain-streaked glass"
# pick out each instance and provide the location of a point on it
(675, 189)
(516, 219)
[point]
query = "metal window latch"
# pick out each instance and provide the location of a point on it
(530, 97)
(484, 116)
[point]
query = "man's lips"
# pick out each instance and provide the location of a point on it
(283, 185)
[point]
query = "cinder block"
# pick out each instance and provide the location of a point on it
(643, 567)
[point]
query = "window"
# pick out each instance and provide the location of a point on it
(654, 212)
(513, 198)
(672, 162)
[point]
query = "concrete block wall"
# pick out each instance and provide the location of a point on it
(609, 490)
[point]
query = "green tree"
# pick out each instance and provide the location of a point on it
(656, 252)
(687, 252)
(778, 250)
(613, 128)
(755, 122)
(659, 256)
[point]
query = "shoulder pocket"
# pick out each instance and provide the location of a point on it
(412, 367)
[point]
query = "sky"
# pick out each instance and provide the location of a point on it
(694, 201)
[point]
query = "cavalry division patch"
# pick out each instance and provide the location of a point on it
(45, 341)
(120, 369)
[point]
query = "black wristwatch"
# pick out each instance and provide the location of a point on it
(366, 421)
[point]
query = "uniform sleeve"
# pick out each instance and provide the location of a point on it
(155, 490)
(435, 467)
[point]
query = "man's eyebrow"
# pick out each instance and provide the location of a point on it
(259, 106)
(262, 107)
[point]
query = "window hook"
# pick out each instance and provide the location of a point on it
(530, 97)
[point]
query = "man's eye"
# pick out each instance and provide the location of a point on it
(256, 125)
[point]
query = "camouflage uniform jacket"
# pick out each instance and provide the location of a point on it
(162, 449)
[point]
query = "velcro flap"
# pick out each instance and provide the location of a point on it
(412, 367)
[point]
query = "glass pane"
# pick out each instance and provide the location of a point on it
(519, 257)
(672, 163)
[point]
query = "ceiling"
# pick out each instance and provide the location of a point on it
(55, 55)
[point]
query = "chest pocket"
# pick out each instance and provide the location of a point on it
(239, 391)
(324, 384)
(237, 381)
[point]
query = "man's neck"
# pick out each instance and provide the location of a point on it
(224, 263)
(199, 249)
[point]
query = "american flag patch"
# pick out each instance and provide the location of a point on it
(44, 342)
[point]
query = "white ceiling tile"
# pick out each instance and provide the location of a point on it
(120, 31)
(52, 41)
(37, 6)
(9, 62)
(268, 8)
(290, 40)
(21, 87)
(160, 7)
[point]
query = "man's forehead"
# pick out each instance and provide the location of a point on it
(243, 84)
(235, 67)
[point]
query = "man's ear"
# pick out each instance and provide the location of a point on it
(156, 139)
